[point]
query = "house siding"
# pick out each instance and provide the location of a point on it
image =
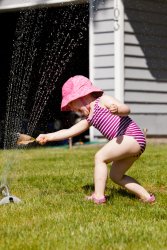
(145, 35)
(102, 48)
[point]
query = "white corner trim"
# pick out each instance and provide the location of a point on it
(91, 43)
(18, 4)
(91, 58)
(119, 51)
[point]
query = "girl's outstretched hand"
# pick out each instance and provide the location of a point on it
(42, 139)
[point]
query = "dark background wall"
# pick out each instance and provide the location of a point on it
(78, 63)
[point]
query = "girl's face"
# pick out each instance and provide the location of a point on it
(80, 106)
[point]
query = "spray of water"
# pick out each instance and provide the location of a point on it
(28, 30)
(67, 31)
(56, 59)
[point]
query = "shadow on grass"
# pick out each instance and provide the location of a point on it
(88, 188)
(124, 193)
(111, 192)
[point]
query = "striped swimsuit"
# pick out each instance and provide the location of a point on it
(112, 126)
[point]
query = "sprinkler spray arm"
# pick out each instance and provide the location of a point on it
(24, 139)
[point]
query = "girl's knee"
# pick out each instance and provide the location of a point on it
(98, 157)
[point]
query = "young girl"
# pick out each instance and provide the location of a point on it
(110, 117)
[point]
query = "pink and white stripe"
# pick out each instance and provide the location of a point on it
(112, 126)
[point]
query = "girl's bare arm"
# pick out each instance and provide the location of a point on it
(63, 134)
(115, 106)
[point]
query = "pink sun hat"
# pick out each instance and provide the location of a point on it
(77, 87)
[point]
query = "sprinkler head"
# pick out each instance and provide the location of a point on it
(8, 198)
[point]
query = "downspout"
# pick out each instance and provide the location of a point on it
(91, 57)
(119, 49)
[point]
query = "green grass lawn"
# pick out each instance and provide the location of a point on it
(53, 214)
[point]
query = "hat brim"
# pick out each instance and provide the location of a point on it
(74, 96)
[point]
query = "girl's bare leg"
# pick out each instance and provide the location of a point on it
(100, 178)
(119, 150)
(117, 174)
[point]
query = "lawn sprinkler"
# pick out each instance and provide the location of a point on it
(7, 197)
(24, 139)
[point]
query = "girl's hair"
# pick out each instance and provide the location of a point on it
(96, 94)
